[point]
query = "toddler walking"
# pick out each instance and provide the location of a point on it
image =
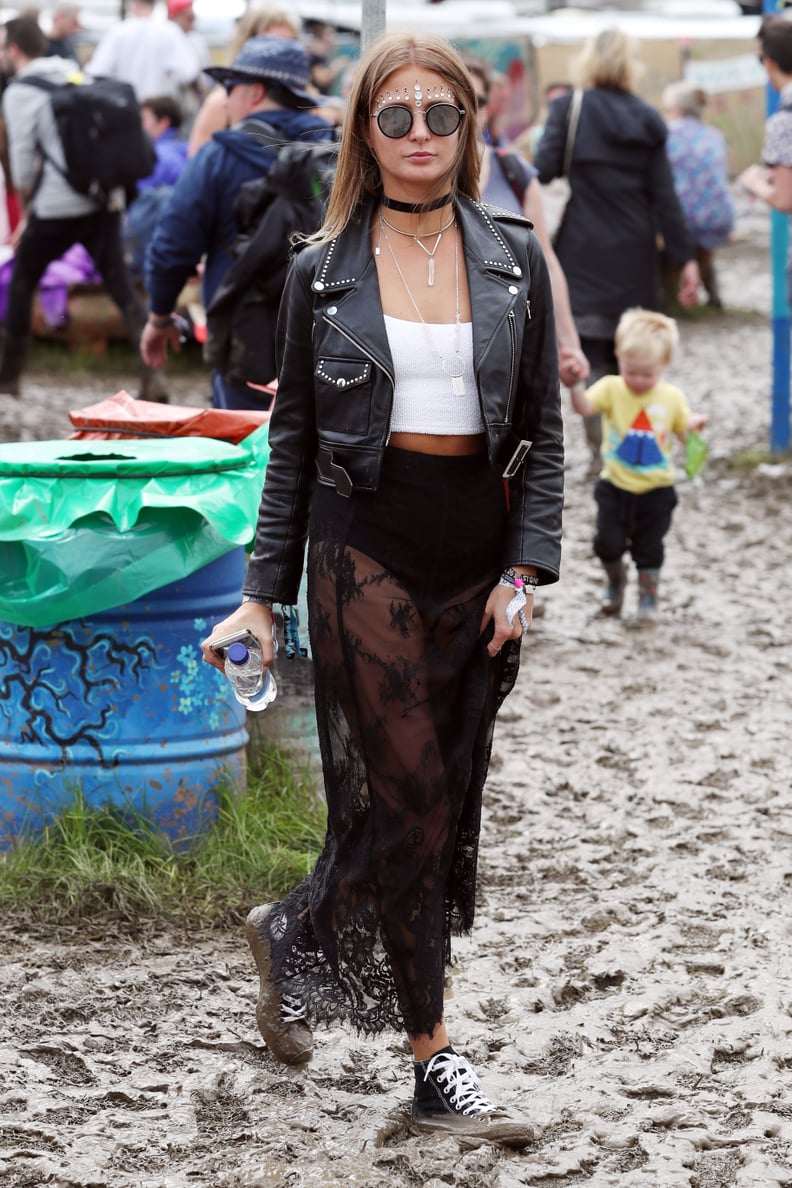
(641, 413)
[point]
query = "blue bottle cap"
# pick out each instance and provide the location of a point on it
(237, 653)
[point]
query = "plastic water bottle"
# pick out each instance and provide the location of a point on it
(254, 687)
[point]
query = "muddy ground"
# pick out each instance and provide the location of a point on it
(629, 980)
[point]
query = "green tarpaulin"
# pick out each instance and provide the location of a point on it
(90, 525)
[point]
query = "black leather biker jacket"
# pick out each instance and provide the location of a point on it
(331, 419)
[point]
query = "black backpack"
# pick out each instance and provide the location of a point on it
(99, 125)
(242, 316)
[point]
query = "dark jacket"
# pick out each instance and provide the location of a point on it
(622, 195)
(332, 412)
(199, 218)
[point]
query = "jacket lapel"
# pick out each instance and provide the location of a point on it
(495, 277)
(347, 292)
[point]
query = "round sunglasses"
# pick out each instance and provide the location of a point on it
(442, 119)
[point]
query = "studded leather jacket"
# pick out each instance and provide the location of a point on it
(331, 419)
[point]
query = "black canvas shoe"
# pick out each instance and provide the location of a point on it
(281, 1018)
(448, 1099)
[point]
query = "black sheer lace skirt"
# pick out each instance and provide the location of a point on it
(406, 697)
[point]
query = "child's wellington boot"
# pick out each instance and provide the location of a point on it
(613, 595)
(647, 595)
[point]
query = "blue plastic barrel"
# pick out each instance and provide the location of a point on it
(121, 706)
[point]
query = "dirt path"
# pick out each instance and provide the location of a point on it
(629, 980)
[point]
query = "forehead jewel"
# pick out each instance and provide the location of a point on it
(418, 94)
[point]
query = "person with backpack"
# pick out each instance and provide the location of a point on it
(64, 204)
(269, 108)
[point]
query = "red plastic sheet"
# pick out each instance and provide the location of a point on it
(123, 416)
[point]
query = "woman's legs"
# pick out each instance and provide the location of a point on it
(425, 1046)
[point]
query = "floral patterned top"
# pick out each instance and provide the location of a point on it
(697, 153)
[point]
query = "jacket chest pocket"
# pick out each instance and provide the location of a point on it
(343, 395)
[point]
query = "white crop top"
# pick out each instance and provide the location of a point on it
(423, 398)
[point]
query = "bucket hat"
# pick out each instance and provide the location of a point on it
(269, 59)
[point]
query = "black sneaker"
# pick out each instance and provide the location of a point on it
(448, 1098)
(281, 1018)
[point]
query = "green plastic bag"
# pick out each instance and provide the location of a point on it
(86, 526)
(696, 450)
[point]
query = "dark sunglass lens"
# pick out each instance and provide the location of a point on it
(395, 121)
(443, 118)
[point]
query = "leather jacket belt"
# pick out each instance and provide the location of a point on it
(332, 473)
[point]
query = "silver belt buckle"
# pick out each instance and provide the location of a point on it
(517, 459)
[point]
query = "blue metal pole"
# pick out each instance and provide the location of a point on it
(779, 244)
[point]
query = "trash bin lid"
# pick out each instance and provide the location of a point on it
(172, 456)
(49, 486)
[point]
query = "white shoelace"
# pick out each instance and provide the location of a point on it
(292, 1009)
(459, 1082)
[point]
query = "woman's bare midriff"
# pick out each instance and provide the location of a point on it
(446, 444)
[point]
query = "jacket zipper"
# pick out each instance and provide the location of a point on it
(513, 341)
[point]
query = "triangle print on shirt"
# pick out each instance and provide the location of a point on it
(639, 445)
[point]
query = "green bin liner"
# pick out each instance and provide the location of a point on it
(88, 526)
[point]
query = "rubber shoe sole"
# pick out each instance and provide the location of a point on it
(289, 1042)
(496, 1127)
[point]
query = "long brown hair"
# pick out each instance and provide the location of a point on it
(358, 176)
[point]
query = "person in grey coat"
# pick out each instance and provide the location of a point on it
(56, 215)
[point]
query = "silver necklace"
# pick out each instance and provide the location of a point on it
(454, 369)
(430, 280)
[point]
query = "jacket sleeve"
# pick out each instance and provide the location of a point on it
(276, 563)
(185, 231)
(21, 109)
(549, 155)
(536, 492)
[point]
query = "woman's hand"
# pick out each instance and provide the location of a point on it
(573, 366)
(495, 610)
(689, 281)
(754, 181)
(250, 616)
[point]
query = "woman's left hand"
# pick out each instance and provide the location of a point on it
(689, 281)
(495, 611)
(573, 366)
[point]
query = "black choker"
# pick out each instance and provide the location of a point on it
(415, 207)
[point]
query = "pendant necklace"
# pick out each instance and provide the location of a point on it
(430, 280)
(454, 369)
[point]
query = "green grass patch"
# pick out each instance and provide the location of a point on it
(58, 360)
(108, 862)
(746, 461)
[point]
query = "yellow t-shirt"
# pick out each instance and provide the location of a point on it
(638, 432)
